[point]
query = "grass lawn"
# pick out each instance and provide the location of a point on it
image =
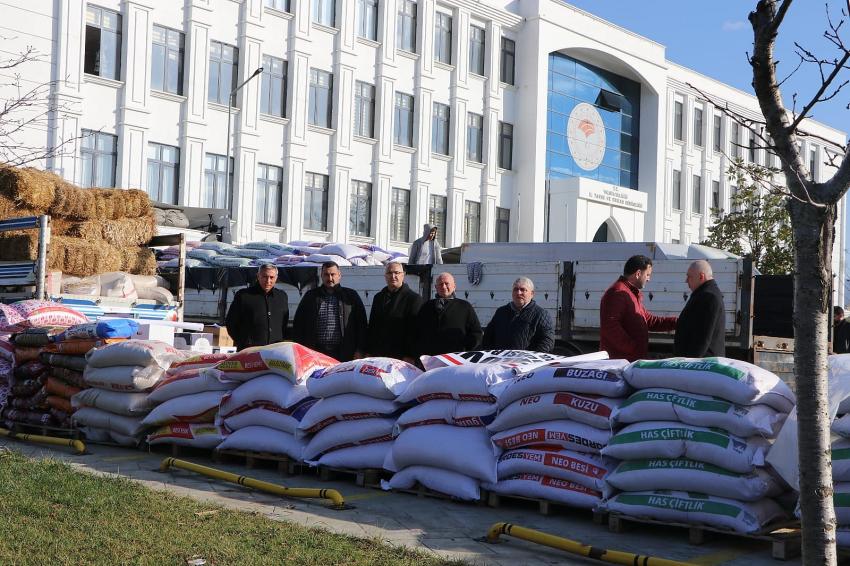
(51, 514)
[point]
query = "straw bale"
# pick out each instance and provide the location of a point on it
(138, 260)
(122, 232)
(10, 209)
(72, 256)
(28, 187)
(100, 204)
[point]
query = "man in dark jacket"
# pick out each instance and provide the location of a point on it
(624, 323)
(259, 313)
(701, 330)
(392, 322)
(841, 332)
(332, 318)
(447, 324)
(522, 324)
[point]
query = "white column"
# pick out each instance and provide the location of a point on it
(68, 56)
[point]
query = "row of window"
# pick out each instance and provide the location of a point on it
(99, 156)
(696, 188)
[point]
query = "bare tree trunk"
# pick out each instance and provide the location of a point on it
(814, 230)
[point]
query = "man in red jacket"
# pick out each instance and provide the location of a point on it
(624, 323)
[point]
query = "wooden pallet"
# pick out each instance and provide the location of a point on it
(544, 506)
(420, 490)
(282, 462)
(784, 537)
(369, 477)
(45, 430)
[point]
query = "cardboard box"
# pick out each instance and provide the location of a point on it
(221, 339)
(195, 341)
(155, 332)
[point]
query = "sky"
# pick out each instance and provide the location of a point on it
(714, 38)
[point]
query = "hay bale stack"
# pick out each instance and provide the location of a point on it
(28, 187)
(138, 260)
(80, 257)
(122, 232)
(10, 209)
(100, 204)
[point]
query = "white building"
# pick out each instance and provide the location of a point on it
(521, 121)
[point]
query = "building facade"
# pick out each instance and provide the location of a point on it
(495, 120)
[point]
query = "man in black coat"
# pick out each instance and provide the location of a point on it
(841, 332)
(447, 324)
(259, 313)
(392, 322)
(521, 324)
(332, 318)
(702, 325)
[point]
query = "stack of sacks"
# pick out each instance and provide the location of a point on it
(553, 423)
(185, 402)
(352, 423)
(708, 435)
(120, 284)
(262, 413)
(119, 376)
(7, 366)
(442, 442)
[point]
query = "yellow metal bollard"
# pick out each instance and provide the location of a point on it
(331, 494)
(574, 547)
(77, 445)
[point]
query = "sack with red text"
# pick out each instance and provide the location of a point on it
(269, 400)
(194, 408)
(588, 470)
(517, 360)
(198, 435)
(593, 410)
(549, 489)
(345, 407)
(187, 382)
(600, 377)
(196, 362)
(449, 412)
(554, 434)
(287, 359)
(462, 383)
(383, 378)
(346, 434)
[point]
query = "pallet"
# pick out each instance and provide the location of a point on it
(45, 430)
(369, 477)
(420, 490)
(544, 506)
(784, 537)
(177, 451)
(282, 462)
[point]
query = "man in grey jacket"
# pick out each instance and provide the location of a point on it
(426, 250)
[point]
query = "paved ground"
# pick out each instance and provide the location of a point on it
(446, 528)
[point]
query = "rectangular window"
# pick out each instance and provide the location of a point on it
(167, 60)
(367, 19)
(364, 110)
(471, 221)
(503, 224)
(321, 90)
(315, 202)
(163, 173)
(715, 195)
(813, 163)
(474, 137)
(506, 145)
(440, 128)
(273, 89)
(223, 71)
(676, 190)
(735, 140)
(216, 192)
(103, 43)
(733, 191)
(323, 12)
(360, 210)
(406, 26)
(718, 125)
(696, 203)
(476, 50)
(282, 5)
(99, 153)
(269, 194)
(400, 215)
(443, 38)
(678, 120)
(507, 68)
(437, 216)
(751, 147)
(698, 127)
(403, 131)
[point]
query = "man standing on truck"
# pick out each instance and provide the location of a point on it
(392, 322)
(426, 250)
(624, 323)
(259, 313)
(701, 329)
(331, 318)
(521, 324)
(447, 324)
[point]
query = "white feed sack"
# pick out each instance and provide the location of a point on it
(345, 407)
(602, 377)
(560, 434)
(264, 439)
(448, 412)
(666, 439)
(345, 434)
(269, 400)
(194, 408)
(382, 378)
(437, 479)
(197, 435)
(134, 353)
(517, 360)
(588, 409)
(550, 489)
(689, 475)
(461, 383)
(120, 403)
(734, 380)
(588, 470)
(701, 410)
(123, 378)
(466, 451)
(198, 361)
(367, 456)
(187, 382)
(287, 359)
(98, 418)
(694, 508)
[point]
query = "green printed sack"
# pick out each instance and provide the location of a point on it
(665, 439)
(689, 475)
(697, 509)
(701, 410)
(740, 382)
